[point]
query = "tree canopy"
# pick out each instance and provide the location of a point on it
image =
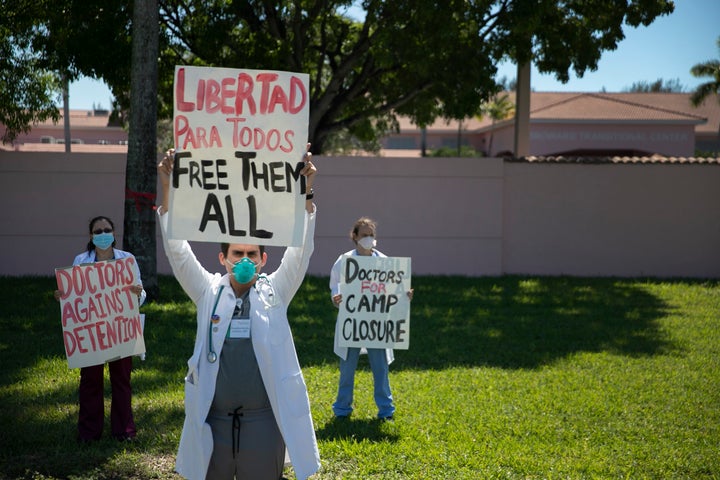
(46, 42)
(28, 92)
(658, 86)
(420, 58)
(710, 70)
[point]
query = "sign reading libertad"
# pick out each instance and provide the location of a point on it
(240, 136)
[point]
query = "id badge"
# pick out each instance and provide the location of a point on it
(240, 328)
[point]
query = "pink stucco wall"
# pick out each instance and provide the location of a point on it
(452, 216)
(612, 220)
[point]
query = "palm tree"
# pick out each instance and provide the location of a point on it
(710, 69)
(498, 108)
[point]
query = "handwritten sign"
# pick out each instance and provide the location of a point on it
(240, 136)
(100, 314)
(375, 309)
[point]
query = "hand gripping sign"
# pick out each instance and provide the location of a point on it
(100, 314)
(240, 136)
(375, 308)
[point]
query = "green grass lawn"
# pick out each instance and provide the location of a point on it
(505, 378)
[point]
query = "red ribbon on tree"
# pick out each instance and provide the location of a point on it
(142, 199)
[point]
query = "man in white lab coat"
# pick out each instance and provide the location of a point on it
(246, 403)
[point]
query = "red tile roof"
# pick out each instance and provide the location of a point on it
(599, 107)
(615, 107)
(639, 160)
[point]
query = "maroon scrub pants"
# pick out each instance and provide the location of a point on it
(92, 402)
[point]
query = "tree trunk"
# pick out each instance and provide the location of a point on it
(459, 139)
(492, 131)
(66, 113)
(317, 140)
(522, 111)
(140, 174)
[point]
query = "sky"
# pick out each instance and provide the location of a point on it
(666, 49)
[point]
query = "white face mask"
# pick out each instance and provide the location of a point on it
(367, 243)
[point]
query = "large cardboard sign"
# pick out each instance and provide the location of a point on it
(375, 308)
(100, 315)
(240, 136)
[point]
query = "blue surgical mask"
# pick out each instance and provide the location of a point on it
(244, 270)
(103, 240)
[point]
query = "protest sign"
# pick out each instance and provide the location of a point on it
(100, 314)
(375, 308)
(240, 136)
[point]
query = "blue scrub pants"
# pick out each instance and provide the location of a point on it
(378, 364)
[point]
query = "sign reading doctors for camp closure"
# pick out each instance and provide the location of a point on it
(240, 137)
(100, 314)
(375, 308)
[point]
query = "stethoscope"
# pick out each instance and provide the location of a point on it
(214, 317)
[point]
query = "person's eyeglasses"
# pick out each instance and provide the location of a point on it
(98, 231)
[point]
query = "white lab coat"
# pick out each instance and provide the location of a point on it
(334, 290)
(274, 348)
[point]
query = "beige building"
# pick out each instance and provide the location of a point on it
(568, 124)
(90, 131)
(580, 124)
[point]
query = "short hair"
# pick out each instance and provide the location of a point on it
(362, 221)
(224, 247)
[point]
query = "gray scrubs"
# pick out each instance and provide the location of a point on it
(247, 440)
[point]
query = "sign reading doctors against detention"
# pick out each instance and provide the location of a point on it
(240, 136)
(375, 308)
(100, 314)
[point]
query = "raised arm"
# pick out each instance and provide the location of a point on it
(288, 277)
(309, 171)
(164, 170)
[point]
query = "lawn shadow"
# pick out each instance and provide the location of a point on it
(39, 394)
(515, 322)
(508, 322)
(356, 430)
